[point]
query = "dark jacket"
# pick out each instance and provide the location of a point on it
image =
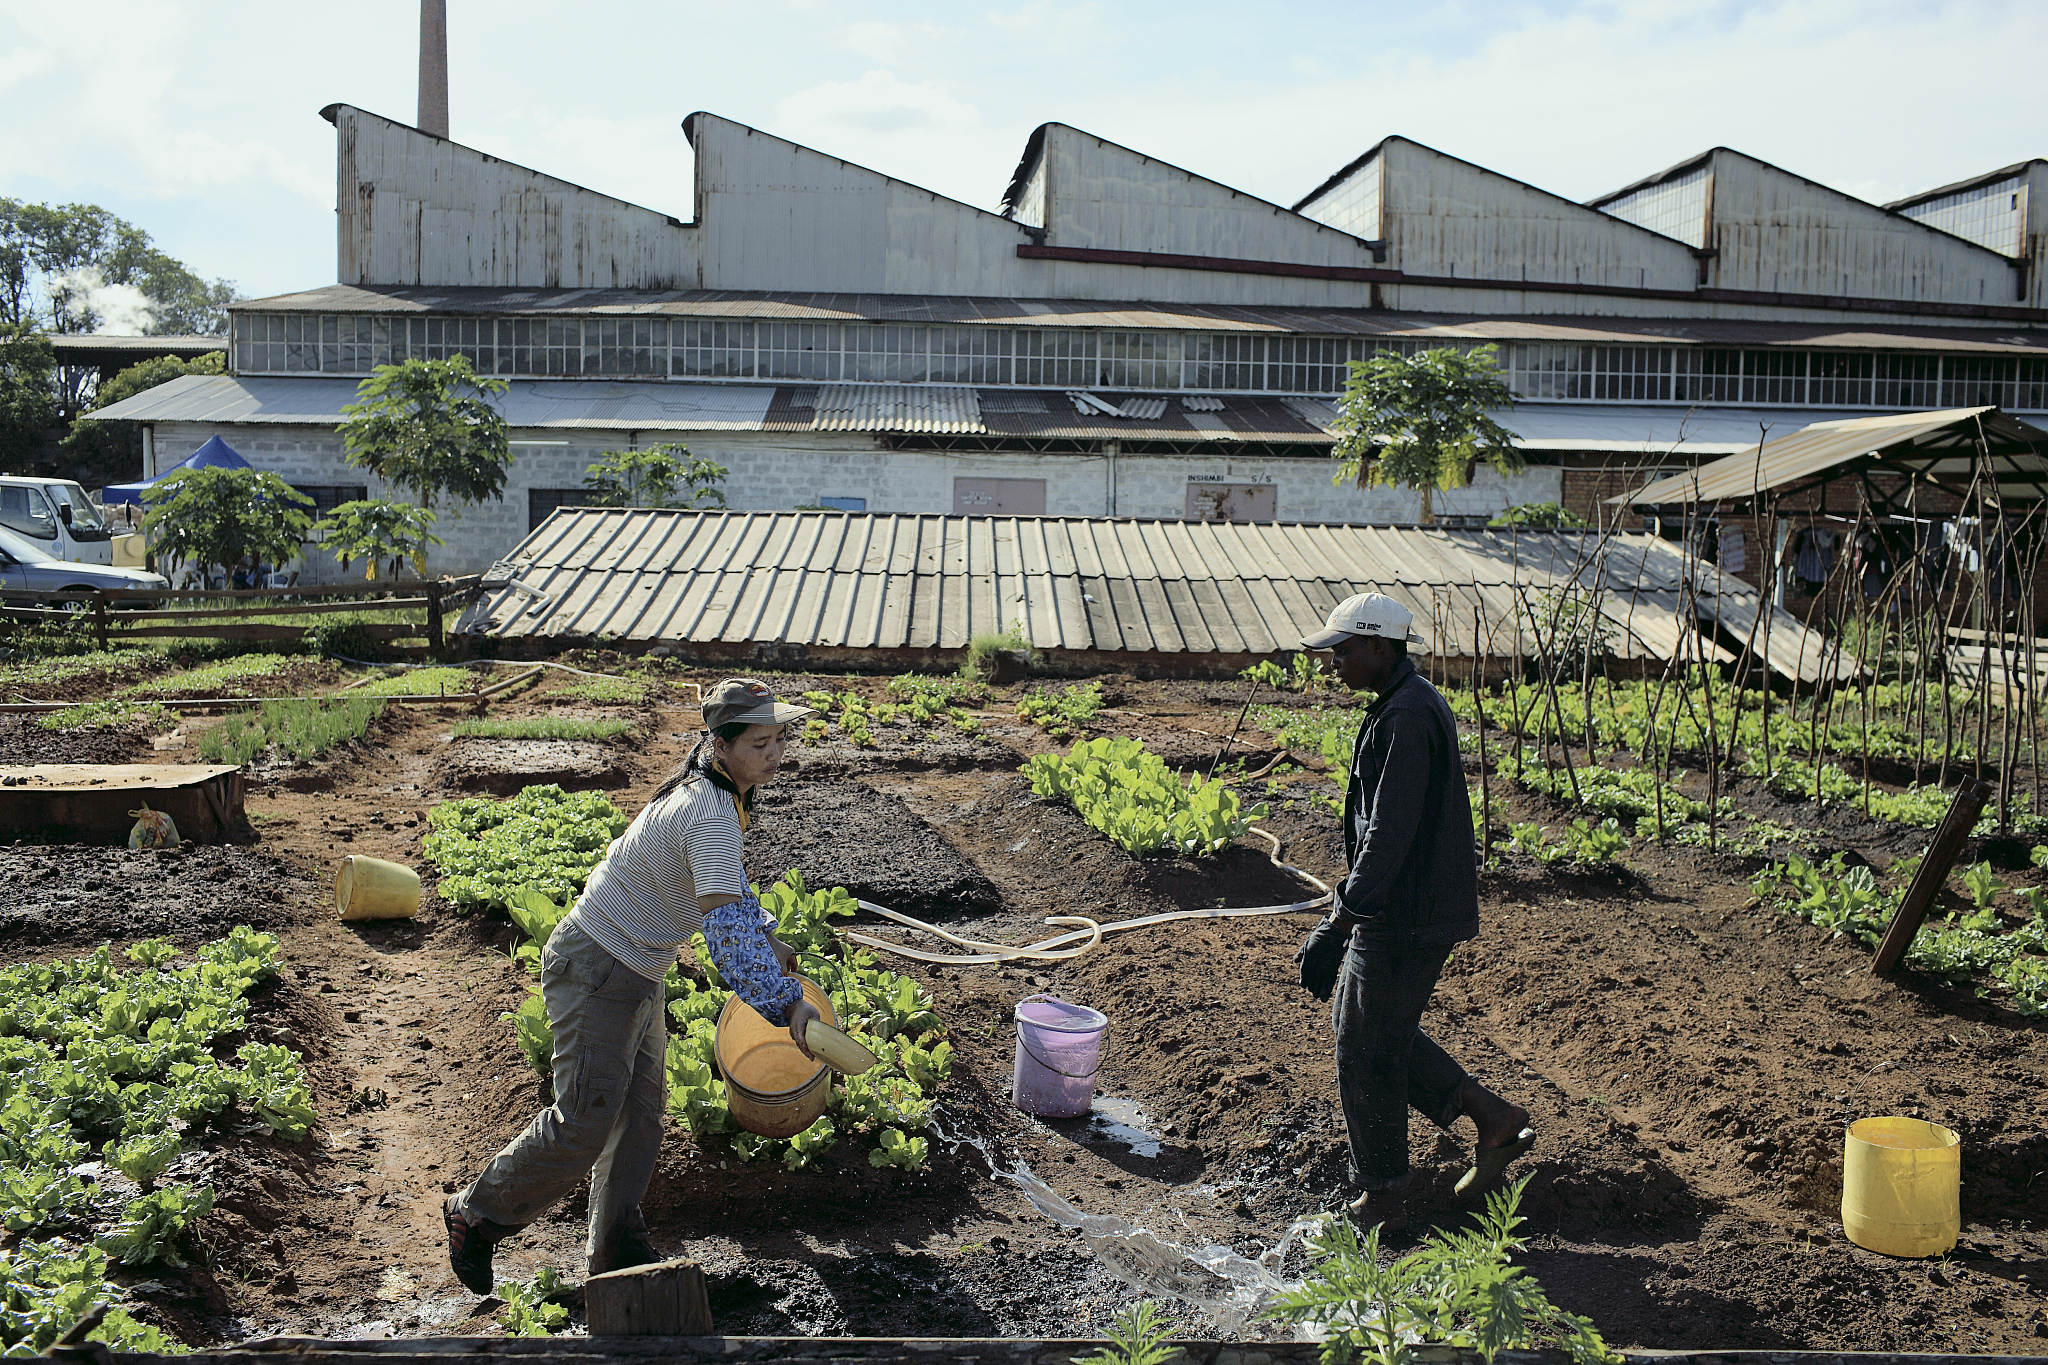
(1408, 822)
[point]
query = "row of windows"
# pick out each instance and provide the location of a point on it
(1055, 357)
(1774, 378)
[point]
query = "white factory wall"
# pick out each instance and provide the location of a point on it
(1778, 232)
(772, 472)
(1446, 217)
(415, 209)
(1105, 196)
(772, 215)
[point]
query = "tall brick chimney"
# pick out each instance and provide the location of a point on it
(434, 67)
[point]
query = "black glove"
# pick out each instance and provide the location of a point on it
(1321, 956)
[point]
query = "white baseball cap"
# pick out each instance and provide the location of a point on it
(1369, 613)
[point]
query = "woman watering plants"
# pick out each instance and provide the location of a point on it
(675, 871)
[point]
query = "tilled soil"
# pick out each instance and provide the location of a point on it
(1689, 1059)
(24, 743)
(62, 896)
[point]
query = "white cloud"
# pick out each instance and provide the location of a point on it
(902, 129)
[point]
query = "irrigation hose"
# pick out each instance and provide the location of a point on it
(1087, 932)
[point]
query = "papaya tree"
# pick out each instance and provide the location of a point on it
(1422, 422)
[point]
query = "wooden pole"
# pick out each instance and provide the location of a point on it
(436, 641)
(1934, 869)
(1479, 699)
(663, 1300)
(99, 619)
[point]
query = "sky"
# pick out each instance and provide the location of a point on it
(200, 122)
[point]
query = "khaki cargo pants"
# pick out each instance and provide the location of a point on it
(611, 1088)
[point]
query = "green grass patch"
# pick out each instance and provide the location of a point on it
(105, 715)
(605, 691)
(543, 727)
(240, 676)
(300, 730)
(426, 682)
(37, 678)
(1325, 730)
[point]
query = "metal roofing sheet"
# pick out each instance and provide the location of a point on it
(526, 403)
(347, 298)
(897, 407)
(848, 580)
(1943, 443)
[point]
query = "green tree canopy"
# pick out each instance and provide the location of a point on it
(28, 394)
(215, 518)
(376, 531)
(100, 453)
(1421, 421)
(1549, 516)
(658, 476)
(428, 426)
(63, 267)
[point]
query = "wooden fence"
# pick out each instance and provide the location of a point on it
(111, 624)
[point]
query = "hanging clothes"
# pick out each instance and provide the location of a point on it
(1813, 559)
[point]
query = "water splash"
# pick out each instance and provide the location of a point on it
(1227, 1288)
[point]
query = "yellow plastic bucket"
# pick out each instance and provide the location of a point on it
(770, 1086)
(370, 888)
(1901, 1186)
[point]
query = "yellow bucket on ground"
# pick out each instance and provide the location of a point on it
(1901, 1186)
(770, 1086)
(370, 888)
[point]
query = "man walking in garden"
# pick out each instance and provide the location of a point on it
(1411, 893)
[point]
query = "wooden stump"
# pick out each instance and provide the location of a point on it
(664, 1300)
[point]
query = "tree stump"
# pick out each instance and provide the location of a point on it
(663, 1300)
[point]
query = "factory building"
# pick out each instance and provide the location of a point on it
(1117, 337)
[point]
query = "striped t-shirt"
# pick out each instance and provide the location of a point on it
(640, 903)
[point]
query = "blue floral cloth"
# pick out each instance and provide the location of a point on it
(737, 935)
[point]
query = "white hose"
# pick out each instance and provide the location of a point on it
(1056, 948)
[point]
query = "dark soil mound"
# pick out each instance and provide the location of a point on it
(24, 742)
(72, 895)
(503, 767)
(845, 833)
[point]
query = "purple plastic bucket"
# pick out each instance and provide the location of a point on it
(1059, 1050)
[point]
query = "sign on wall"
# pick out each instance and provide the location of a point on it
(1212, 501)
(999, 497)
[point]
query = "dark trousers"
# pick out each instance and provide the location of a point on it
(1385, 1062)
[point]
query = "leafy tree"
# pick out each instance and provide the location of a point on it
(58, 262)
(1547, 516)
(659, 476)
(376, 531)
(1421, 421)
(215, 518)
(428, 427)
(99, 453)
(28, 395)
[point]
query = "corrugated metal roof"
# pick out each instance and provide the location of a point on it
(897, 407)
(1943, 445)
(848, 580)
(683, 405)
(820, 307)
(228, 400)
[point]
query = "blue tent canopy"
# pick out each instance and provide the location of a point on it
(215, 454)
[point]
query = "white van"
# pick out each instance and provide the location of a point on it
(59, 517)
